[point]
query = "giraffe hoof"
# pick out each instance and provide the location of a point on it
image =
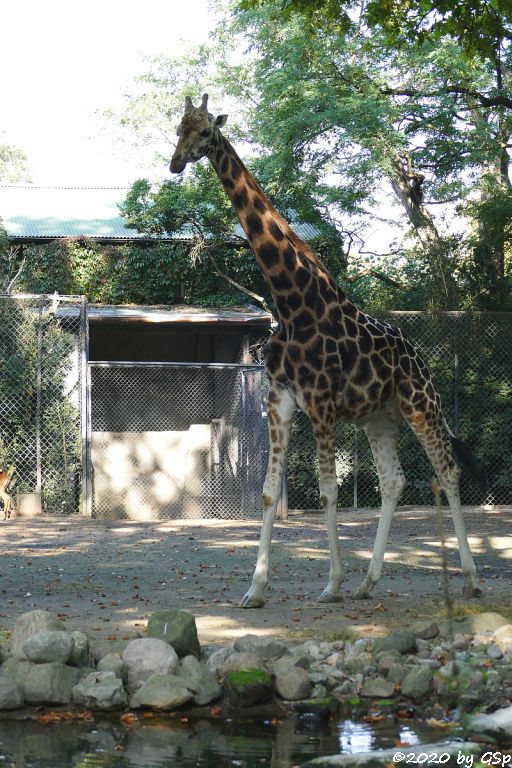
(329, 597)
(470, 591)
(362, 593)
(248, 601)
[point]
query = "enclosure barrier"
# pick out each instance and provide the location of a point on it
(169, 440)
(43, 373)
(173, 440)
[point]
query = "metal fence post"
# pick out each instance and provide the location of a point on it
(282, 506)
(456, 381)
(355, 469)
(39, 380)
(85, 411)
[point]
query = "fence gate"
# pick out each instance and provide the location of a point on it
(172, 440)
(43, 372)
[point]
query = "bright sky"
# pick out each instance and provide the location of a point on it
(63, 62)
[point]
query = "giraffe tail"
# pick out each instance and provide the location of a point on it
(469, 462)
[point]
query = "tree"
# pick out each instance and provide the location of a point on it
(428, 113)
(13, 164)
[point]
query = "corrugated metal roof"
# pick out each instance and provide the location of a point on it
(31, 212)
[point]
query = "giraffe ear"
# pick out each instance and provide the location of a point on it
(220, 121)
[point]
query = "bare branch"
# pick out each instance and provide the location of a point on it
(380, 276)
(201, 245)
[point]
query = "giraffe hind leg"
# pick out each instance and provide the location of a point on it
(430, 433)
(325, 436)
(382, 434)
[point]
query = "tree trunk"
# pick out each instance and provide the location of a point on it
(407, 186)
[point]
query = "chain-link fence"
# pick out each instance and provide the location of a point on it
(42, 374)
(470, 356)
(177, 440)
(173, 440)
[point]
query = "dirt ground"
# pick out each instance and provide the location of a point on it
(106, 578)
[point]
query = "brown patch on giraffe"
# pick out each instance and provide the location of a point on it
(417, 421)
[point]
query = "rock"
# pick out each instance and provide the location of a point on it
(404, 642)
(29, 624)
(425, 630)
(216, 660)
(377, 688)
(347, 689)
(494, 651)
(396, 673)
(385, 664)
(198, 679)
(11, 694)
(503, 637)
(386, 757)
(16, 669)
(359, 662)
(162, 692)
(288, 662)
(101, 648)
(113, 662)
(148, 656)
(47, 646)
(497, 725)
(178, 628)
(247, 687)
(238, 661)
(80, 655)
(417, 682)
(293, 684)
(50, 683)
(100, 691)
(267, 647)
(479, 623)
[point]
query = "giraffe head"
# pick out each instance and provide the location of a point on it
(195, 133)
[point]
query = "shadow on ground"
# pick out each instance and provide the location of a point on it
(106, 578)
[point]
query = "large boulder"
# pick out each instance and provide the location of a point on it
(200, 680)
(80, 655)
(31, 623)
(247, 687)
(148, 656)
(267, 647)
(47, 646)
(50, 683)
(403, 642)
(293, 684)
(162, 692)
(11, 694)
(377, 688)
(496, 726)
(178, 628)
(417, 682)
(100, 691)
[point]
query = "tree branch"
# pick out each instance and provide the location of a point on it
(202, 245)
(380, 276)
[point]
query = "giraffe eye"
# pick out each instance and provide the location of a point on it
(205, 133)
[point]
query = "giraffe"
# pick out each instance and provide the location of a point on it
(335, 363)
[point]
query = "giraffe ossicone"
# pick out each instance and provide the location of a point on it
(335, 363)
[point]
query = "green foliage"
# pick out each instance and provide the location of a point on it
(34, 346)
(13, 164)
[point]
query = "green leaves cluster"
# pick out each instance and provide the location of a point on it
(356, 111)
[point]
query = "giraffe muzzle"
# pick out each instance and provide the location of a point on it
(177, 165)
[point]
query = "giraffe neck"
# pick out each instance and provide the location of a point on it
(288, 264)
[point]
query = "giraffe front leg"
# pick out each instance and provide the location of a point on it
(326, 446)
(281, 408)
(382, 434)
